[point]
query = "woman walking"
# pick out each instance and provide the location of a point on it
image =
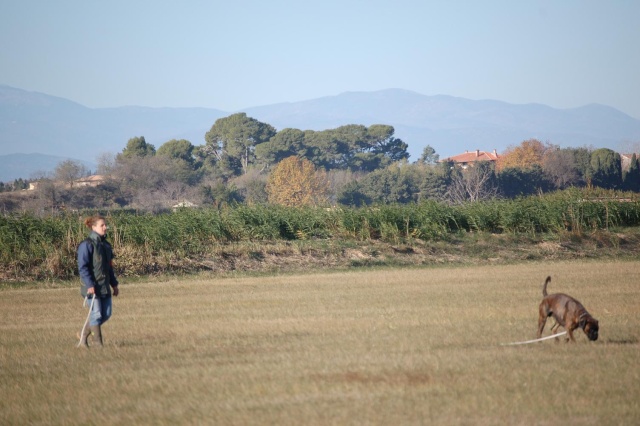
(95, 265)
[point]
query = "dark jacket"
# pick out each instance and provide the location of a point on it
(95, 265)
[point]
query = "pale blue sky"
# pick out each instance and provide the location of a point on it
(237, 54)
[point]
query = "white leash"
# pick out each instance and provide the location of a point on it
(533, 341)
(88, 316)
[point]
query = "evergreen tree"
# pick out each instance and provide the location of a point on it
(19, 184)
(631, 177)
(397, 183)
(138, 147)
(606, 168)
(429, 155)
(515, 181)
(235, 138)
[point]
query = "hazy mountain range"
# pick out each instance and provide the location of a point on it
(56, 128)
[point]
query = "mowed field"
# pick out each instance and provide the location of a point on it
(373, 346)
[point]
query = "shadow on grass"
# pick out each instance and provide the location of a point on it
(623, 341)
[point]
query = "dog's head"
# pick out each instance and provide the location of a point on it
(590, 327)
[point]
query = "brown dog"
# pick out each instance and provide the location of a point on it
(568, 313)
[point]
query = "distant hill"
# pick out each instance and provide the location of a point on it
(32, 166)
(452, 125)
(35, 122)
(39, 123)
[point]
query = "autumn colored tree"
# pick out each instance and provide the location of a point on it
(528, 154)
(295, 181)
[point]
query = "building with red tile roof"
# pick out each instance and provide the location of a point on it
(469, 158)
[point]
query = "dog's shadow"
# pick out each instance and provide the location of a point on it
(622, 341)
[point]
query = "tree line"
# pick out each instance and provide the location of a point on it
(244, 160)
(17, 185)
(190, 240)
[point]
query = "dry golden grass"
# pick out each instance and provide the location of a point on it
(389, 346)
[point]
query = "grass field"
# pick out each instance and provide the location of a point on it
(383, 346)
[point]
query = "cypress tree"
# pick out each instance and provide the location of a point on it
(631, 180)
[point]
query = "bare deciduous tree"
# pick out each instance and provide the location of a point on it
(252, 186)
(68, 171)
(560, 167)
(46, 198)
(338, 179)
(473, 184)
(106, 163)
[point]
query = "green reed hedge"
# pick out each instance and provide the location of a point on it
(44, 247)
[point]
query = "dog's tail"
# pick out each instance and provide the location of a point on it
(544, 288)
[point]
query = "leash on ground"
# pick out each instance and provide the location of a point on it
(88, 316)
(534, 340)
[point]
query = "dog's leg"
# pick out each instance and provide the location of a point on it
(542, 320)
(554, 329)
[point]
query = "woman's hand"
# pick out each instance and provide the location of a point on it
(115, 291)
(91, 290)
